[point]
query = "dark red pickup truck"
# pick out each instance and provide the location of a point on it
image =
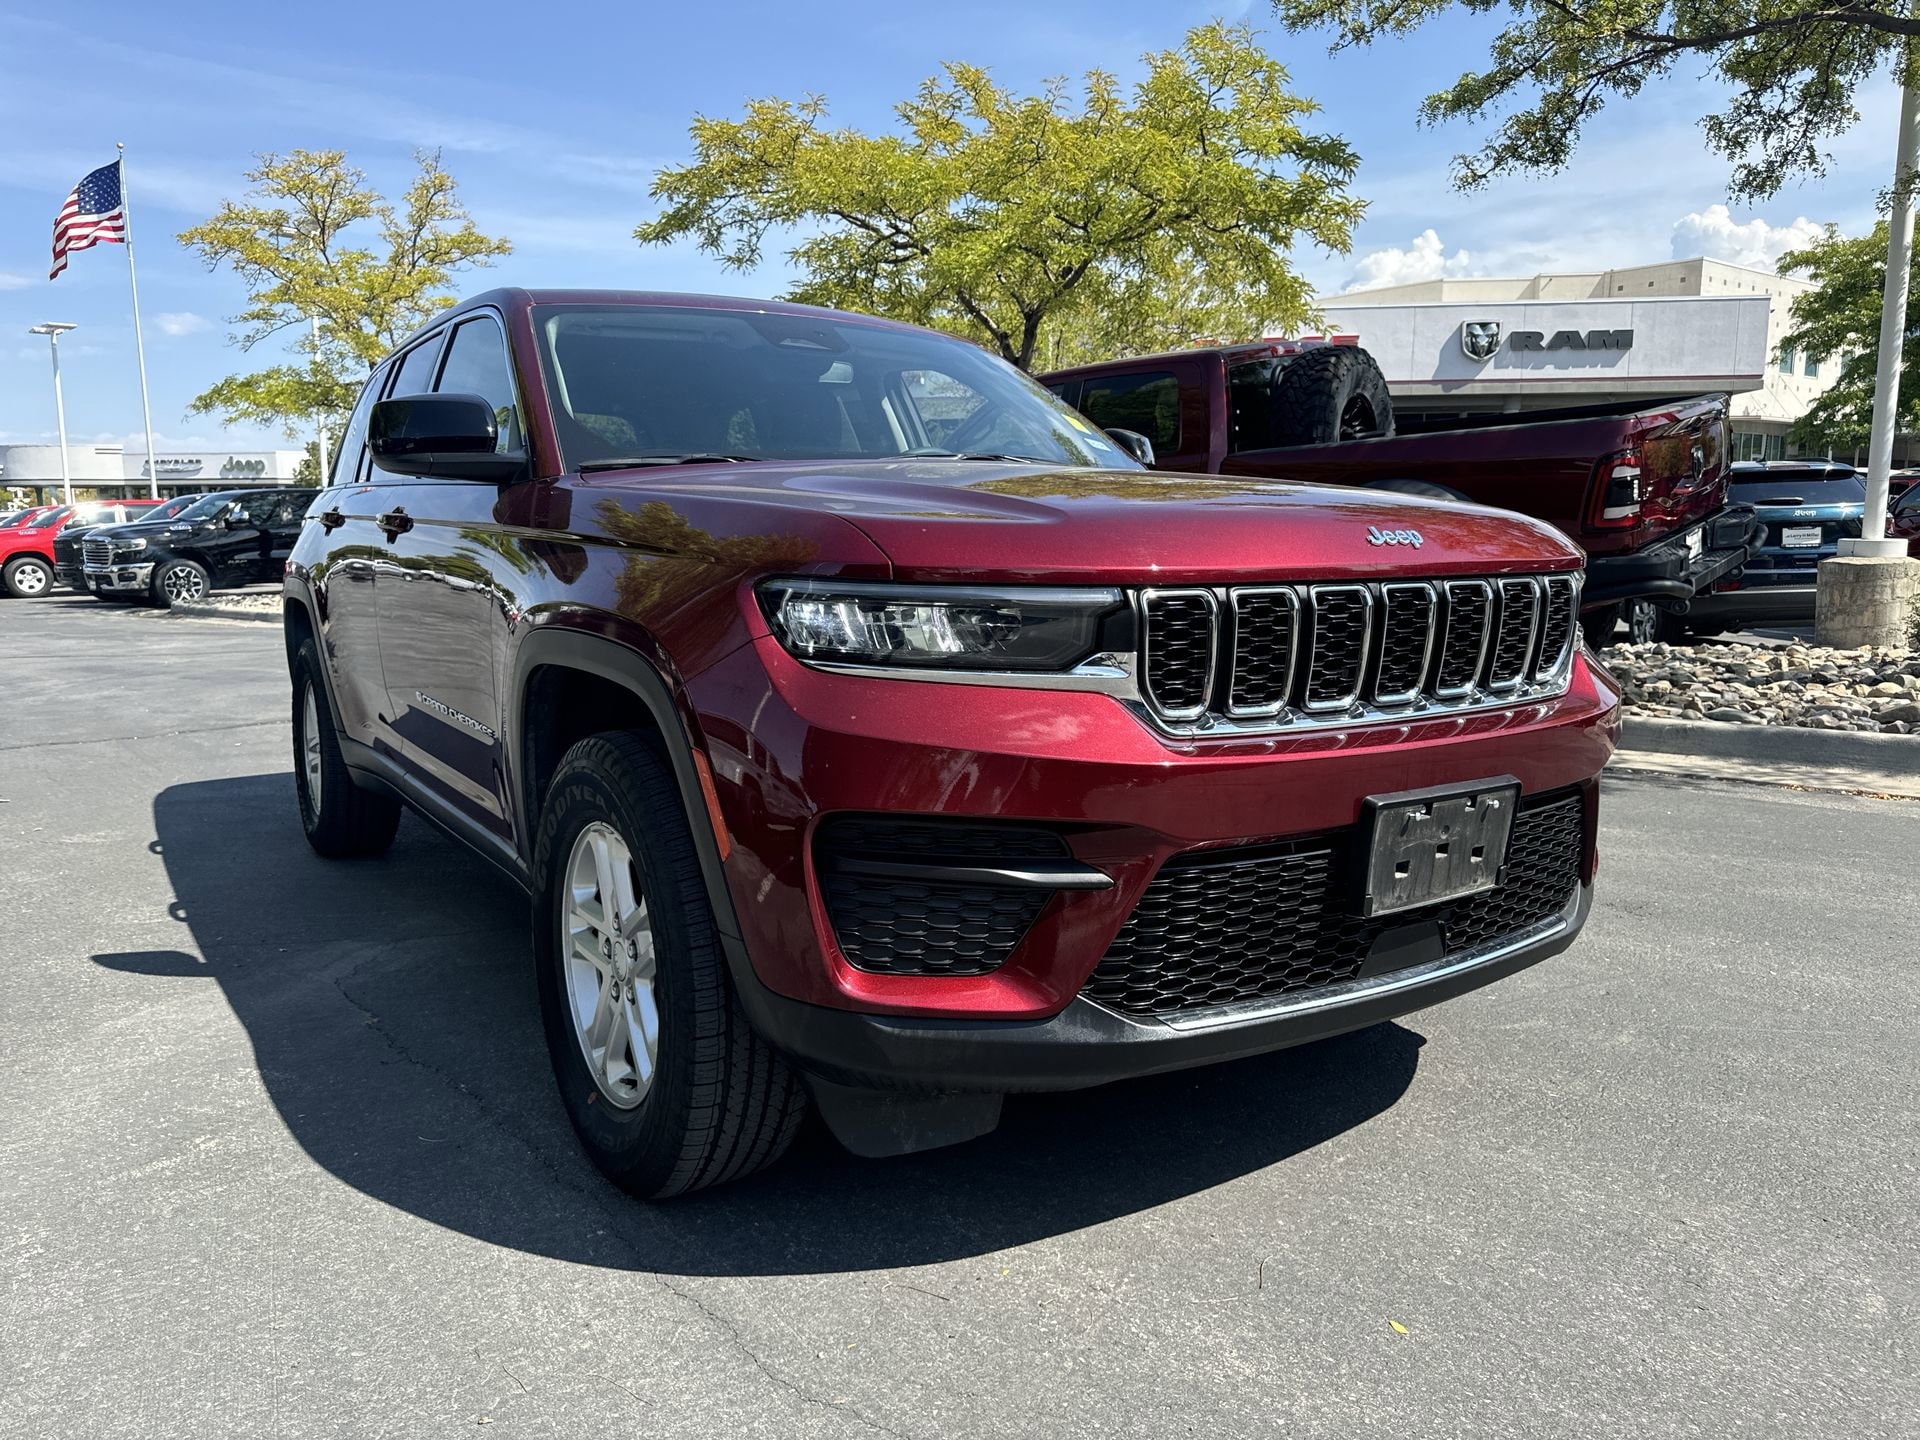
(1641, 488)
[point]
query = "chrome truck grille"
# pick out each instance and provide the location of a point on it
(96, 552)
(1279, 656)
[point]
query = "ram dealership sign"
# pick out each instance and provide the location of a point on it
(1556, 352)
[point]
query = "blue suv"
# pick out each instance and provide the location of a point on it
(1808, 507)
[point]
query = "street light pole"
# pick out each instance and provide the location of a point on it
(53, 330)
(1893, 330)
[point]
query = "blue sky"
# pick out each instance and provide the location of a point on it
(553, 119)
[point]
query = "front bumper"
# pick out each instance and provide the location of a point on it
(790, 747)
(119, 577)
(1679, 567)
(1086, 1044)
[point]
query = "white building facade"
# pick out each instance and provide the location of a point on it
(106, 471)
(1556, 340)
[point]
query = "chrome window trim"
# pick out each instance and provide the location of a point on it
(1461, 692)
(1345, 702)
(1387, 589)
(1145, 614)
(1292, 597)
(1499, 623)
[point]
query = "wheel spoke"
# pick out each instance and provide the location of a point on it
(644, 1019)
(642, 938)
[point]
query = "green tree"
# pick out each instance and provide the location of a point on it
(1792, 67)
(312, 240)
(996, 215)
(1838, 321)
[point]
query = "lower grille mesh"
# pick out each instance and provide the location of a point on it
(1233, 926)
(906, 925)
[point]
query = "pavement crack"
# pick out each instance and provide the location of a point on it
(156, 735)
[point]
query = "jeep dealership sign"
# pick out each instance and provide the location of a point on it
(1580, 349)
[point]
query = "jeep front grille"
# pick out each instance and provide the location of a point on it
(1268, 656)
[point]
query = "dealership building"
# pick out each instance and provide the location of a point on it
(106, 471)
(1558, 341)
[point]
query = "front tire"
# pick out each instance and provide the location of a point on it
(180, 582)
(667, 1084)
(341, 821)
(26, 576)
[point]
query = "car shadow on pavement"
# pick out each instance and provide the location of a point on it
(391, 1010)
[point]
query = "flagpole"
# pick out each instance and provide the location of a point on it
(139, 341)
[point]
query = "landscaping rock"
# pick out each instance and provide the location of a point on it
(1810, 686)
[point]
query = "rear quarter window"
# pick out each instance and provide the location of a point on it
(1148, 402)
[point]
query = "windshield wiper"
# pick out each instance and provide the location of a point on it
(625, 462)
(975, 455)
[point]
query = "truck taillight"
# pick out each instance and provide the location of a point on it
(1621, 491)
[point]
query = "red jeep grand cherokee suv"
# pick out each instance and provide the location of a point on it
(867, 726)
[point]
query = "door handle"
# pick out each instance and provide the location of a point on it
(331, 520)
(396, 522)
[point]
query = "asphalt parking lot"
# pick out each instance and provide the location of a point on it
(279, 1152)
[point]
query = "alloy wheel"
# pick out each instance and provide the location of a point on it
(31, 579)
(1357, 419)
(607, 952)
(1643, 622)
(183, 583)
(310, 749)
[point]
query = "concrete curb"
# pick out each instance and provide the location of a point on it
(1778, 744)
(222, 612)
(1789, 755)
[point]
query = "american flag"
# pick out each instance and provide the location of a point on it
(94, 214)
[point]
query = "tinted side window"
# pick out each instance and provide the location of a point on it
(477, 365)
(346, 458)
(415, 376)
(1148, 402)
(1909, 503)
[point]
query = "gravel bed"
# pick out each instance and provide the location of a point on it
(1876, 691)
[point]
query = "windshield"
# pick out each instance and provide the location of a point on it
(633, 382)
(52, 517)
(204, 507)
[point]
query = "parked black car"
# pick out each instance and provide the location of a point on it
(223, 540)
(66, 545)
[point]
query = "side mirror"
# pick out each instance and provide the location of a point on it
(1135, 444)
(440, 435)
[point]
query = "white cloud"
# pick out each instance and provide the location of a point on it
(179, 322)
(11, 281)
(1425, 259)
(1714, 233)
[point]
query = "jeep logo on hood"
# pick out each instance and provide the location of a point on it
(1377, 536)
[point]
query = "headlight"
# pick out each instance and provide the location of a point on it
(133, 544)
(945, 627)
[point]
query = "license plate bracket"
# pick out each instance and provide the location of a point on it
(1801, 537)
(1429, 846)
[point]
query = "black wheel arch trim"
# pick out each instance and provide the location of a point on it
(610, 659)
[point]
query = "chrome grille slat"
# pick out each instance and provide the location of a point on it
(1258, 658)
(1342, 625)
(1178, 647)
(1406, 641)
(1557, 624)
(1266, 648)
(1517, 622)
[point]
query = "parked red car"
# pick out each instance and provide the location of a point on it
(26, 550)
(869, 730)
(1641, 488)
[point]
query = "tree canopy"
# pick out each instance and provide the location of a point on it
(997, 215)
(314, 239)
(1793, 67)
(1840, 318)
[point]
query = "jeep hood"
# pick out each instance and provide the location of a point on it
(981, 520)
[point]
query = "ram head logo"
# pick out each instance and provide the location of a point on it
(1480, 339)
